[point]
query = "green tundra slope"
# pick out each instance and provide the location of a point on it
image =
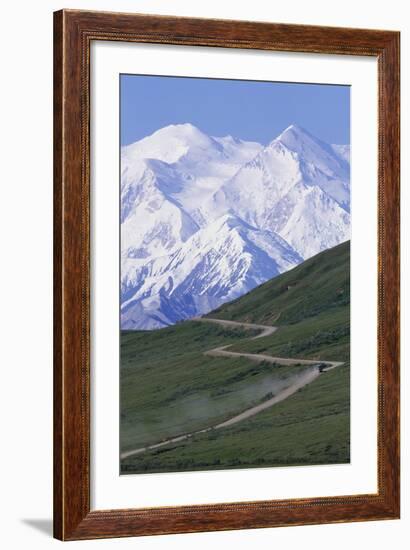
(169, 387)
(320, 284)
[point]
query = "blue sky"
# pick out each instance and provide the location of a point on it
(248, 110)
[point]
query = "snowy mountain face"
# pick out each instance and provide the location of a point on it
(205, 219)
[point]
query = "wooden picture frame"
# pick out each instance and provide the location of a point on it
(74, 32)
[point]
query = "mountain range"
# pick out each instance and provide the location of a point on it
(206, 219)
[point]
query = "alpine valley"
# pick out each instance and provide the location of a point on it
(206, 219)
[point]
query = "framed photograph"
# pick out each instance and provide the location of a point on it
(226, 288)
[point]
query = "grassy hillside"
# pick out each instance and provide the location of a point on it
(319, 284)
(323, 337)
(311, 427)
(169, 387)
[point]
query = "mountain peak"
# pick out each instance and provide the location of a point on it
(295, 138)
(294, 131)
(184, 130)
(170, 143)
(181, 127)
(312, 149)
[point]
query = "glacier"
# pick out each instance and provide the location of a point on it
(206, 219)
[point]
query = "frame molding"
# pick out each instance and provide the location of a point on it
(73, 33)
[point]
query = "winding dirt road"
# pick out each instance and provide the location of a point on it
(265, 331)
(306, 378)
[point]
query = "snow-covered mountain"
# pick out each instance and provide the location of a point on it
(205, 219)
(298, 187)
